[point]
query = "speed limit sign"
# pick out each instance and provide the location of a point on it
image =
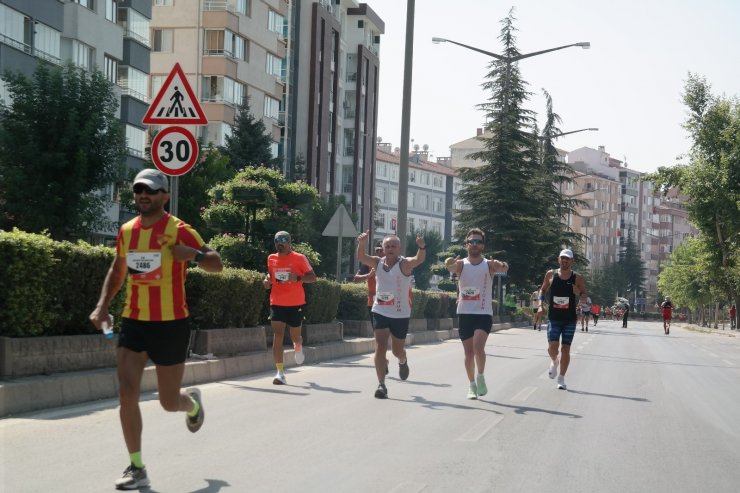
(174, 151)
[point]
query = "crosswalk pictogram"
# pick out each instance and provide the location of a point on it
(175, 103)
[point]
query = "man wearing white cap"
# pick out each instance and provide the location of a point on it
(561, 287)
(152, 254)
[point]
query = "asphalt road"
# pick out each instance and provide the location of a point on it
(644, 412)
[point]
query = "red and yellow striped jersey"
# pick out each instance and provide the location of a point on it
(155, 288)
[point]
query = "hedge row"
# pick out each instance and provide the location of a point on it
(50, 288)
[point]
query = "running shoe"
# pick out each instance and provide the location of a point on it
(472, 391)
(553, 371)
(403, 370)
(299, 356)
(481, 384)
(279, 379)
(381, 392)
(586, 329)
(133, 478)
(195, 422)
(561, 383)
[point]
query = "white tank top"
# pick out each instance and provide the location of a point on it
(474, 289)
(392, 291)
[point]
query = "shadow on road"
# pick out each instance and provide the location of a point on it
(611, 396)
(437, 406)
(527, 409)
(214, 486)
(315, 386)
(278, 389)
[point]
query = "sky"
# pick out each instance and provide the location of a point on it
(629, 84)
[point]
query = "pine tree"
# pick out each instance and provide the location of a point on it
(249, 144)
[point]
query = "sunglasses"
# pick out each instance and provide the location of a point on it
(475, 242)
(139, 189)
(282, 239)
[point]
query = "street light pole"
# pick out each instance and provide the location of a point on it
(403, 167)
(583, 44)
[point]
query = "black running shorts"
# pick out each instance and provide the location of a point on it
(166, 343)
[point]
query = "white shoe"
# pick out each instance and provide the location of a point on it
(553, 371)
(299, 356)
(561, 383)
(480, 383)
(279, 379)
(472, 391)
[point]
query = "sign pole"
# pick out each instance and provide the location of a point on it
(174, 192)
(339, 252)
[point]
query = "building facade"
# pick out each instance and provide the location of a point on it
(110, 35)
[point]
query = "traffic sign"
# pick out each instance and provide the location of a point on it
(175, 103)
(174, 151)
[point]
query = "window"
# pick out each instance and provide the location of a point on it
(225, 42)
(380, 195)
(274, 65)
(438, 182)
(214, 42)
(394, 196)
(242, 7)
(424, 200)
(275, 22)
(133, 82)
(437, 204)
(12, 27)
(135, 141)
(411, 199)
(111, 69)
(423, 224)
(381, 220)
(111, 10)
(90, 4)
(82, 55)
(216, 132)
(412, 176)
(383, 170)
(135, 25)
(5, 98)
(394, 173)
(157, 82)
(47, 43)
(272, 107)
(163, 40)
(219, 88)
(163, 3)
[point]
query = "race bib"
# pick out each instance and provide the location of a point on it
(561, 302)
(282, 275)
(470, 293)
(144, 266)
(385, 298)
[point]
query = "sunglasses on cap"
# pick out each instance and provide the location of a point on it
(475, 242)
(139, 189)
(282, 239)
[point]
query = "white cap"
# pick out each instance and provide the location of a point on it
(566, 253)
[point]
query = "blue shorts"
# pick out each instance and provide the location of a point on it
(564, 328)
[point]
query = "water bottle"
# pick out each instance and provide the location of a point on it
(108, 327)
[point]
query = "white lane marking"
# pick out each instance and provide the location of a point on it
(524, 394)
(409, 486)
(479, 431)
(712, 354)
(729, 363)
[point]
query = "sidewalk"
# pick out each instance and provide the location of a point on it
(26, 394)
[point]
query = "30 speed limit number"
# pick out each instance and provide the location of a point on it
(174, 151)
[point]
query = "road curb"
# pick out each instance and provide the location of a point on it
(21, 395)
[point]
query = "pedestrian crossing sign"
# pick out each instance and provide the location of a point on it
(175, 103)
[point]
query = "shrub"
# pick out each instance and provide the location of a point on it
(322, 301)
(232, 298)
(26, 306)
(447, 285)
(353, 302)
(419, 304)
(77, 278)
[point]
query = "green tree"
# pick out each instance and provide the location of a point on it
(249, 144)
(631, 274)
(61, 145)
(711, 179)
(507, 196)
(434, 244)
(685, 278)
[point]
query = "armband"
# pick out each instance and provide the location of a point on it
(542, 297)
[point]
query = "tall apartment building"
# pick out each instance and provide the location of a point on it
(230, 51)
(112, 35)
(334, 99)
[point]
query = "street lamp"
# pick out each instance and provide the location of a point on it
(584, 44)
